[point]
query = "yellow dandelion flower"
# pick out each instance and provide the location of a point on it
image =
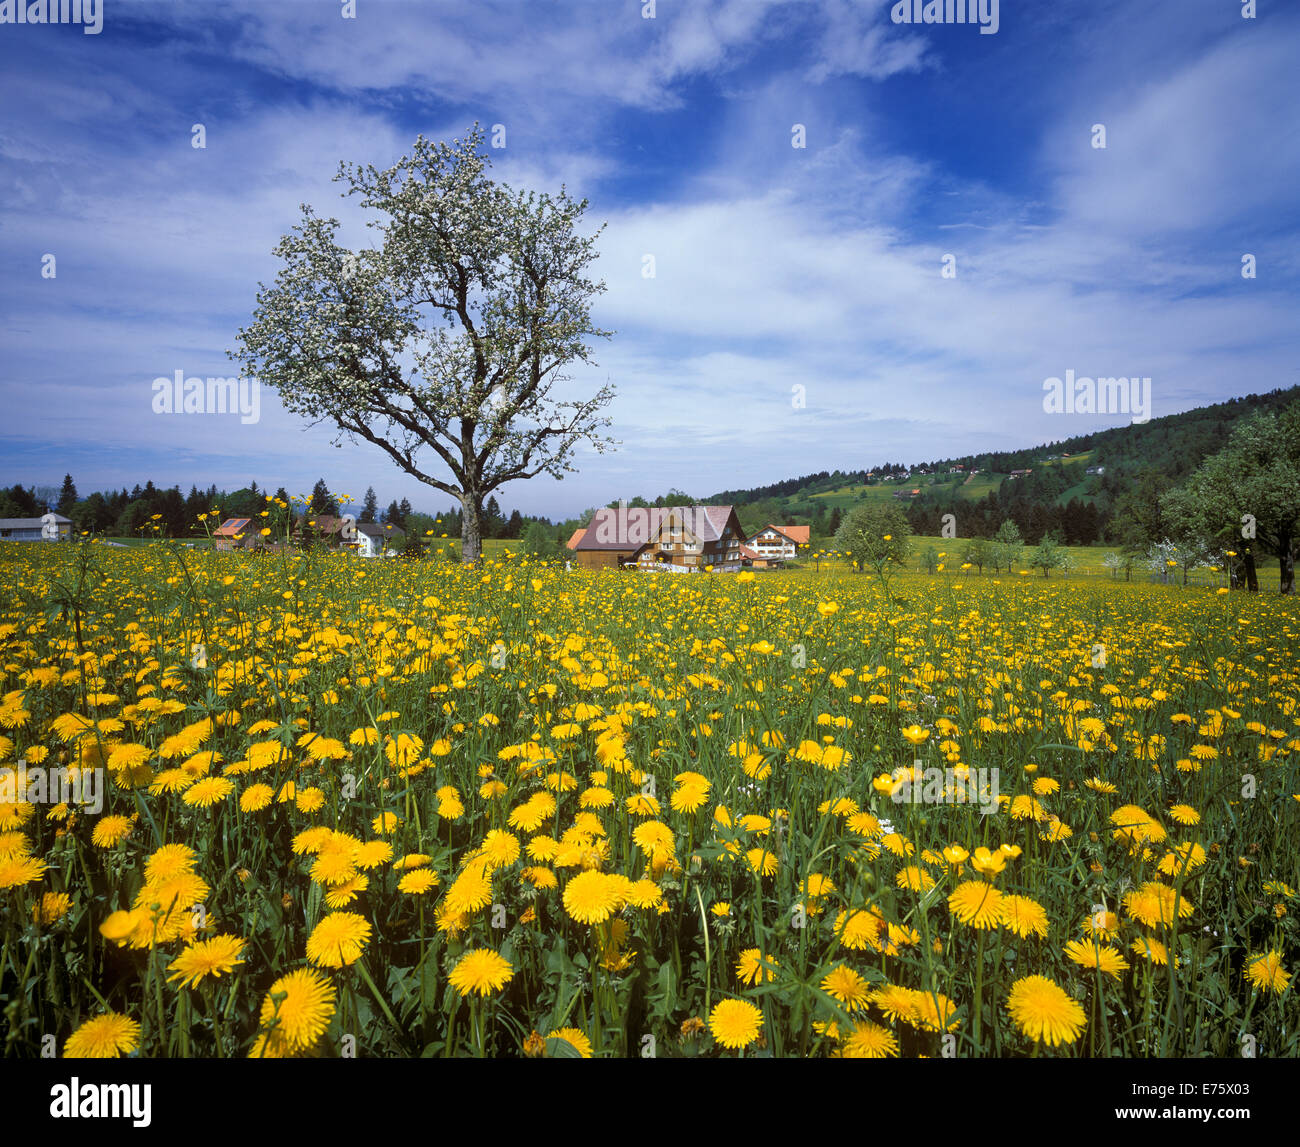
(297, 1010)
(1102, 957)
(482, 970)
(1045, 1012)
(1267, 974)
(976, 903)
(735, 1023)
(338, 940)
(105, 1037)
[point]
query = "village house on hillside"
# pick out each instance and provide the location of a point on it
(682, 539)
(774, 541)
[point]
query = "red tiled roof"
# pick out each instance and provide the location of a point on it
(800, 535)
(572, 543)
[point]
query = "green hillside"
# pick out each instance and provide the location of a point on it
(1056, 495)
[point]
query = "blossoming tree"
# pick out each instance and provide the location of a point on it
(449, 336)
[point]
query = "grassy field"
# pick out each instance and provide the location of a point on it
(413, 809)
(1086, 561)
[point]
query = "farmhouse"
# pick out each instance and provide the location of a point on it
(246, 534)
(755, 560)
(682, 539)
(33, 529)
(371, 539)
(374, 540)
(774, 541)
(231, 533)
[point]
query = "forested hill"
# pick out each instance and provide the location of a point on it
(1058, 495)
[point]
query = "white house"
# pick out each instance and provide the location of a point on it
(373, 540)
(33, 529)
(774, 541)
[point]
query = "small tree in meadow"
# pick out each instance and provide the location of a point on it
(876, 537)
(538, 541)
(977, 553)
(1047, 555)
(1007, 546)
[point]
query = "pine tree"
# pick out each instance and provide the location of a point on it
(322, 501)
(370, 507)
(67, 496)
(492, 519)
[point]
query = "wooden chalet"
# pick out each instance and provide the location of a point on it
(680, 539)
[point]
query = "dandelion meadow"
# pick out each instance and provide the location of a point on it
(415, 809)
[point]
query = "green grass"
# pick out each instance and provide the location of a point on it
(202, 542)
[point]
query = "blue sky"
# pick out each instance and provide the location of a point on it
(776, 266)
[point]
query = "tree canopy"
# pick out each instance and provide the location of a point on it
(1247, 494)
(446, 338)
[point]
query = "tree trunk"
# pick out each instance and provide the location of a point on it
(471, 532)
(1252, 578)
(1286, 562)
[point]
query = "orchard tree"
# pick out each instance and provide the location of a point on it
(875, 536)
(449, 336)
(1007, 546)
(1247, 496)
(1047, 556)
(976, 553)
